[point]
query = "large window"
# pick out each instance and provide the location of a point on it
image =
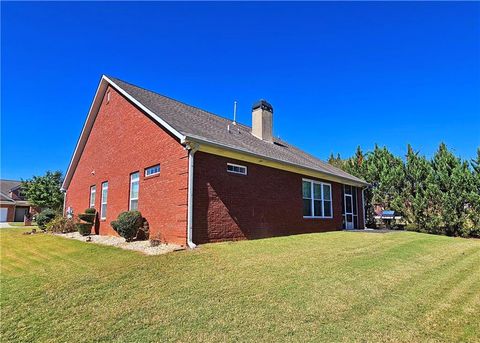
(93, 193)
(103, 207)
(317, 199)
(134, 187)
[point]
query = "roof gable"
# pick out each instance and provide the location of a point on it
(189, 123)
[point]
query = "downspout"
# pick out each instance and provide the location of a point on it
(192, 148)
(64, 191)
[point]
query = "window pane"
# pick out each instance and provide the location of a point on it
(152, 170)
(92, 196)
(327, 209)
(133, 205)
(237, 169)
(134, 190)
(348, 189)
(326, 192)
(354, 192)
(307, 208)
(348, 204)
(307, 190)
(104, 210)
(317, 207)
(317, 191)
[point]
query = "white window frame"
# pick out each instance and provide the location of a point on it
(132, 180)
(93, 196)
(239, 166)
(312, 199)
(151, 167)
(104, 200)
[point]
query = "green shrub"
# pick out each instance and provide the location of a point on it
(91, 210)
(84, 229)
(471, 232)
(61, 225)
(45, 217)
(87, 217)
(127, 224)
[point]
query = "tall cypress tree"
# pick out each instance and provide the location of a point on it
(386, 173)
(453, 179)
(419, 190)
(473, 208)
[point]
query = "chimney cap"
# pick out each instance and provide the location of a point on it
(263, 104)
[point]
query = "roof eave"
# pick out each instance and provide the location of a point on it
(199, 140)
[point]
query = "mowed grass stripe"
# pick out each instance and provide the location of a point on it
(319, 287)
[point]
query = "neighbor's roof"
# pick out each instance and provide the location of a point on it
(191, 123)
(5, 187)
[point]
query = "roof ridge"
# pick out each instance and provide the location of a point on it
(178, 101)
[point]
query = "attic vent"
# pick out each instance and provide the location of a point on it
(280, 144)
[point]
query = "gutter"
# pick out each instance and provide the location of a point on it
(343, 179)
(192, 148)
(64, 191)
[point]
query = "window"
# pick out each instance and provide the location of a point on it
(152, 170)
(108, 97)
(236, 169)
(134, 186)
(103, 208)
(93, 193)
(317, 199)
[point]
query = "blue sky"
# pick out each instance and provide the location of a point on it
(338, 74)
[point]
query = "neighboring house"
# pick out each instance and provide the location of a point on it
(197, 177)
(13, 205)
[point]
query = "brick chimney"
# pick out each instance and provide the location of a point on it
(262, 120)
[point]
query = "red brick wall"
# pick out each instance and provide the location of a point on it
(124, 140)
(266, 202)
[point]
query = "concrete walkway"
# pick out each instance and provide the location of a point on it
(5, 225)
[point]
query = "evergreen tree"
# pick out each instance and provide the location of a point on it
(386, 173)
(419, 188)
(355, 165)
(454, 181)
(473, 209)
(336, 161)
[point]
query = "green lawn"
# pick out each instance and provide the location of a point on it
(336, 286)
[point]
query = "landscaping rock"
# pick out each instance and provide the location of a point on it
(141, 246)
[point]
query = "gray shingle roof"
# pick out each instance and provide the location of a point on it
(5, 187)
(197, 123)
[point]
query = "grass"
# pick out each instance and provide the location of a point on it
(337, 286)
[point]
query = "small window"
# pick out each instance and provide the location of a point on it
(134, 187)
(103, 208)
(153, 170)
(93, 193)
(108, 97)
(236, 169)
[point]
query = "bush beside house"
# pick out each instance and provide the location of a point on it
(87, 220)
(128, 224)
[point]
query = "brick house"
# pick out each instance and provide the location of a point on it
(13, 206)
(197, 177)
